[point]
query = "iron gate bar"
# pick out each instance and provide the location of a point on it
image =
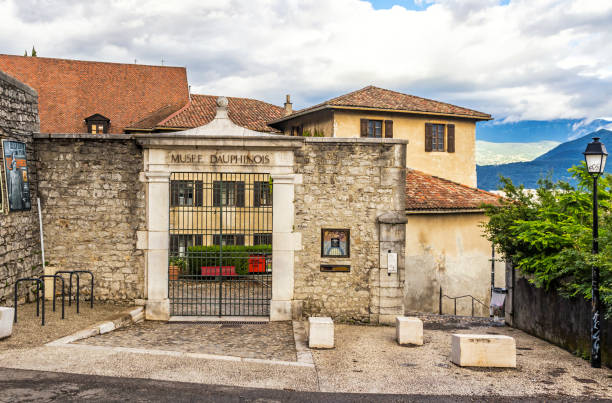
(226, 215)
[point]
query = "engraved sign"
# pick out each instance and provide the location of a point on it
(220, 158)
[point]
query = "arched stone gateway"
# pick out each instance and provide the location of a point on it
(209, 204)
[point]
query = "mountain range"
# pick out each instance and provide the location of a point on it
(554, 163)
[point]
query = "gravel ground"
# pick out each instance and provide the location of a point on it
(28, 332)
(367, 359)
(268, 341)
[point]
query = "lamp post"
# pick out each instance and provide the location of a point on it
(595, 156)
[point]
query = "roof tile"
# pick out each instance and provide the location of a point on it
(380, 98)
(71, 90)
(427, 192)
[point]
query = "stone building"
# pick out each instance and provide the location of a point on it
(199, 206)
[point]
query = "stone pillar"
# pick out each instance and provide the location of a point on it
(388, 288)
(156, 258)
(283, 245)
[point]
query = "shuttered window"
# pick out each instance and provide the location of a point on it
(371, 128)
(186, 193)
(439, 137)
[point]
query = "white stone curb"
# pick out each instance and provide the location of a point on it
(304, 354)
(134, 315)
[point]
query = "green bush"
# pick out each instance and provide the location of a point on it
(547, 234)
(233, 255)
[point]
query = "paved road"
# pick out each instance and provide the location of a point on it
(39, 386)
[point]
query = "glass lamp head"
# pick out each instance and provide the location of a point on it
(595, 156)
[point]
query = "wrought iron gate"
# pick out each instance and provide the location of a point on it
(220, 255)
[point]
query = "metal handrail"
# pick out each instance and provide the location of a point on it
(455, 301)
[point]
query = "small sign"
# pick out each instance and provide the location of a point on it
(335, 268)
(391, 262)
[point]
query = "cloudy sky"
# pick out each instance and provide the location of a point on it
(519, 60)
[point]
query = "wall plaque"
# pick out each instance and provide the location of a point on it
(335, 268)
(335, 242)
(16, 175)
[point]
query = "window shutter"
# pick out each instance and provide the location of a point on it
(428, 139)
(240, 194)
(389, 129)
(256, 194)
(450, 133)
(199, 193)
(364, 127)
(216, 193)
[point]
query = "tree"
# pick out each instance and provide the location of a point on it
(33, 54)
(25, 53)
(547, 234)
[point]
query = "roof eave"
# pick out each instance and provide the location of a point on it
(445, 211)
(323, 107)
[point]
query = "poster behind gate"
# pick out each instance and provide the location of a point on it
(16, 171)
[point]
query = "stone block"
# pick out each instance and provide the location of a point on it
(409, 330)
(6, 321)
(320, 332)
(478, 350)
(106, 327)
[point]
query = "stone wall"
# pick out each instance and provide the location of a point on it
(348, 183)
(93, 204)
(565, 322)
(19, 235)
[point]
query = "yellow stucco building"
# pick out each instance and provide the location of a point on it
(441, 137)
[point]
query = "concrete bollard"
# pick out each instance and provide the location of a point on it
(409, 330)
(320, 332)
(479, 350)
(6, 321)
(50, 270)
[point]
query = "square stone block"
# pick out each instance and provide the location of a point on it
(320, 332)
(6, 321)
(409, 330)
(479, 350)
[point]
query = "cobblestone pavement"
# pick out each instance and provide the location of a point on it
(270, 341)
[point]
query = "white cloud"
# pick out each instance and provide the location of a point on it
(526, 60)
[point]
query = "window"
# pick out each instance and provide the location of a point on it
(97, 124)
(228, 193)
(261, 194)
(179, 244)
(262, 239)
(186, 193)
(439, 137)
(374, 128)
(229, 239)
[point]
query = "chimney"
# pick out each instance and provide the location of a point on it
(288, 106)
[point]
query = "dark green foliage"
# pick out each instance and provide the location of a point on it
(33, 54)
(233, 255)
(548, 234)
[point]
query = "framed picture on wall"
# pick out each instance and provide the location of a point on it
(16, 175)
(335, 242)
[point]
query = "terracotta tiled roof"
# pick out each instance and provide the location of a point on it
(427, 192)
(245, 112)
(379, 98)
(71, 90)
(152, 120)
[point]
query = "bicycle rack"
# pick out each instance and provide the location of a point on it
(91, 294)
(77, 296)
(55, 276)
(39, 285)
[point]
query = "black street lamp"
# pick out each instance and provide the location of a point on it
(595, 156)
